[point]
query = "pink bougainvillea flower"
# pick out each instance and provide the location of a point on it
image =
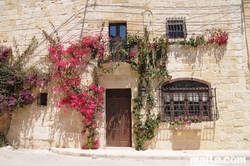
(68, 64)
(84, 146)
(83, 133)
(94, 126)
(96, 143)
(61, 64)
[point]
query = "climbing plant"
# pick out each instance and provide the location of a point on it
(16, 80)
(149, 60)
(68, 65)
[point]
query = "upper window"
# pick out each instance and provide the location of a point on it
(117, 34)
(176, 28)
(187, 97)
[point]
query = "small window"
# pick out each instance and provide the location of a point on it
(117, 34)
(42, 99)
(176, 28)
(188, 97)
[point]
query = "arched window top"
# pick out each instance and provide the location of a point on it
(185, 83)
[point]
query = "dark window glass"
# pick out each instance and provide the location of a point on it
(43, 99)
(117, 34)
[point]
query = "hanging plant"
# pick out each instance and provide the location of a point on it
(217, 36)
(193, 41)
(214, 36)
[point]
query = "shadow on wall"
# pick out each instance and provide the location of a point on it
(162, 138)
(46, 126)
(186, 139)
(192, 55)
(190, 137)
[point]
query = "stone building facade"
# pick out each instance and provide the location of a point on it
(225, 68)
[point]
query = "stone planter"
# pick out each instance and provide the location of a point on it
(186, 137)
(188, 127)
(194, 126)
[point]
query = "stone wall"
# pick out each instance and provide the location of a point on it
(225, 67)
(46, 126)
(5, 119)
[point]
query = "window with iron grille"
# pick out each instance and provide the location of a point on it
(187, 98)
(117, 34)
(176, 28)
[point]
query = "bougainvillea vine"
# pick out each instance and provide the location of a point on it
(16, 81)
(68, 65)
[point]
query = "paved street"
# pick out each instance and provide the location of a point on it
(25, 157)
(47, 158)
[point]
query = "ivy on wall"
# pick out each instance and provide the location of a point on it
(149, 60)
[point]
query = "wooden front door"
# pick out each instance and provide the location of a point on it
(118, 117)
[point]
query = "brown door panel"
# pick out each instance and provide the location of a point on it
(125, 120)
(112, 121)
(118, 122)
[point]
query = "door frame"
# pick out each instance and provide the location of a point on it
(128, 95)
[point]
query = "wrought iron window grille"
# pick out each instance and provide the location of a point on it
(189, 98)
(176, 28)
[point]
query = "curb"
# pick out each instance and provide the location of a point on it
(153, 155)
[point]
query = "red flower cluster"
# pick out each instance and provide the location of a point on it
(218, 36)
(150, 46)
(68, 64)
(132, 55)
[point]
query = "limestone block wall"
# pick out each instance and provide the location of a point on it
(225, 67)
(45, 126)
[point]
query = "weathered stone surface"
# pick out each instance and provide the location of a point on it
(225, 67)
